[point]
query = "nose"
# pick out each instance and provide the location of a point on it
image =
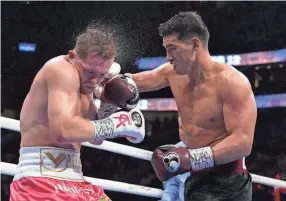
(169, 58)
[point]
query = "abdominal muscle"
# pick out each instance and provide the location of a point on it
(196, 137)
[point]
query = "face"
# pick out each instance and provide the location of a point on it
(182, 133)
(181, 54)
(92, 71)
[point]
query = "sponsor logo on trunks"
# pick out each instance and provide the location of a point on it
(105, 198)
(123, 119)
(137, 119)
(74, 189)
(58, 161)
(172, 162)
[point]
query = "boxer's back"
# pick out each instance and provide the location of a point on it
(34, 122)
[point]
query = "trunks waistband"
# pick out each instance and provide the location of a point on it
(49, 162)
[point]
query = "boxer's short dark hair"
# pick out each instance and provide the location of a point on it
(95, 41)
(186, 25)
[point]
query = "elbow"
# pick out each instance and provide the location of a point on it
(61, 137)
(247, 151)
(60, 128)
(246, 146)
(60, 134)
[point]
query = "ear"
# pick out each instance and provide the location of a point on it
(196, 43)
(72, 54)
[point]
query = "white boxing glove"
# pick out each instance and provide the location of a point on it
(129, 124)
(113, 71)
(97, 103)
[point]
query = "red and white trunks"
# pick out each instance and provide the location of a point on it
(52, 174)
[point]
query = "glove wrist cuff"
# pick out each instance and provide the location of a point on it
(103, 129)
(201, 158)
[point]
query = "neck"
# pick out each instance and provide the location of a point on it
(202, 67)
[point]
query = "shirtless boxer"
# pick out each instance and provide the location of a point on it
(218, 111)
(58, 114)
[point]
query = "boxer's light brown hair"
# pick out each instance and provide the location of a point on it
(94, 40)
(186, 25)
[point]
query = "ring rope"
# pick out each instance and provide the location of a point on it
(10, 169)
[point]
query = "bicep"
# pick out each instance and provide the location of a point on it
(62, 99)
(60, 106)
(151, 80)
(240, 111)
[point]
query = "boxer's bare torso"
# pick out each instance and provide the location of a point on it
(200, 109)
(200, 106)
(34, 120)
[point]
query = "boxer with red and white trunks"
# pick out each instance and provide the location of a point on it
(59, 113)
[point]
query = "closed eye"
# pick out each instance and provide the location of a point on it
(172, 48)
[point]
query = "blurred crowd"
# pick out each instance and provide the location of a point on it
(268, 156)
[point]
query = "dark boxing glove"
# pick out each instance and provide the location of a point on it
(121, 91)
(170, 160)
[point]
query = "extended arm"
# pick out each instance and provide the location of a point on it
(153, 79)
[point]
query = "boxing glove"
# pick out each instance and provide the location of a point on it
(129, 124)
(113, 71)
(120, 91)
(169, 160)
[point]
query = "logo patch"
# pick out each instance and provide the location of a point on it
(137, 119)
(123, 118)
(54, 161)
(172, 162)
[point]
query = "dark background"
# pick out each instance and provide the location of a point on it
(235, 27)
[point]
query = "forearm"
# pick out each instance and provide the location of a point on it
(146, 81)
(234, 147)
(76, 129)
(142, 81)
(182, 160)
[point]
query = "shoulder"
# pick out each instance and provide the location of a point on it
(59, 68)
(231, 81)
(234, 87)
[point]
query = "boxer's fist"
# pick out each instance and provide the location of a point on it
(121, 91)
(170, 160)
(121, 124)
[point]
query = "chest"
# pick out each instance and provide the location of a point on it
(85, 107)
(199, 105)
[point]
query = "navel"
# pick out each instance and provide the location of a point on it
(212, 119)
